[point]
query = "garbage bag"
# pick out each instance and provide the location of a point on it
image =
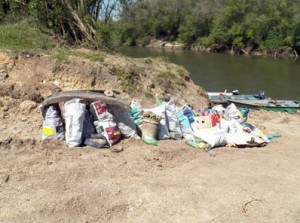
(219, 109)
(253, 130)
(185, 125)
(213, 136)
(99, 111)
(88, 126)
(137, 112)
(74, 118)
(243, 139)
(53, 126)
(109, 130)
(172, 120)
(232, 112)
(124, 121)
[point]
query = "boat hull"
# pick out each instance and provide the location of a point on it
(269, 105)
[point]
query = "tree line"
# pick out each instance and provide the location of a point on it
(222, 24)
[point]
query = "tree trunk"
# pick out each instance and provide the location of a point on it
(86, 31)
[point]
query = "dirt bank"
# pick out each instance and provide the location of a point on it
(48, 182)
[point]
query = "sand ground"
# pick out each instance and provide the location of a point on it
(48, 182)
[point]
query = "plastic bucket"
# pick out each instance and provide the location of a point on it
(149, 127)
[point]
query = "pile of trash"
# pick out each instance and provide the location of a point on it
(103, 125)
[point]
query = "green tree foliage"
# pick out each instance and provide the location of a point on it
(227, 24)
(230, 24)
(79, 21)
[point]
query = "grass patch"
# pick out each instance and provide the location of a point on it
(128, 80)
(23, 36)
(166, 74)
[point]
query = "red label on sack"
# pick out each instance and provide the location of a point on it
(100, 108)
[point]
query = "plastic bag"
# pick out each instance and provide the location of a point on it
(149, 140)
(74, 117)
(53, 126)
(172, 120)
(219, 109)
(253, 130)
(232, 112)
(137, 112)
(124, 121)
(243, 139)
(213, 136)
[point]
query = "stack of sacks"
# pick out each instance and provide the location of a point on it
(106, 127)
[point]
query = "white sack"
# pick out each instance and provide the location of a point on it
(53, 127)
(172, 119)
(243, 139)
(213, 136)
(74, 117)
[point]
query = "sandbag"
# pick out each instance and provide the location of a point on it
(74, 118)
(53, 126)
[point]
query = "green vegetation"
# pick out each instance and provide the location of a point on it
(166, 74)
(23, 36)
(127, 79)
(236, 25)
(221, 24)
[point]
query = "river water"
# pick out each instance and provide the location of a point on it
(280, 79)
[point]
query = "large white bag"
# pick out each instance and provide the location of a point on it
(232, 112)
(74, 118)
(53, 127)
(172, 120)
(243, 139)
(213, 136)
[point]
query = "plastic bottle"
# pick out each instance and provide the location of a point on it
(196, 144)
